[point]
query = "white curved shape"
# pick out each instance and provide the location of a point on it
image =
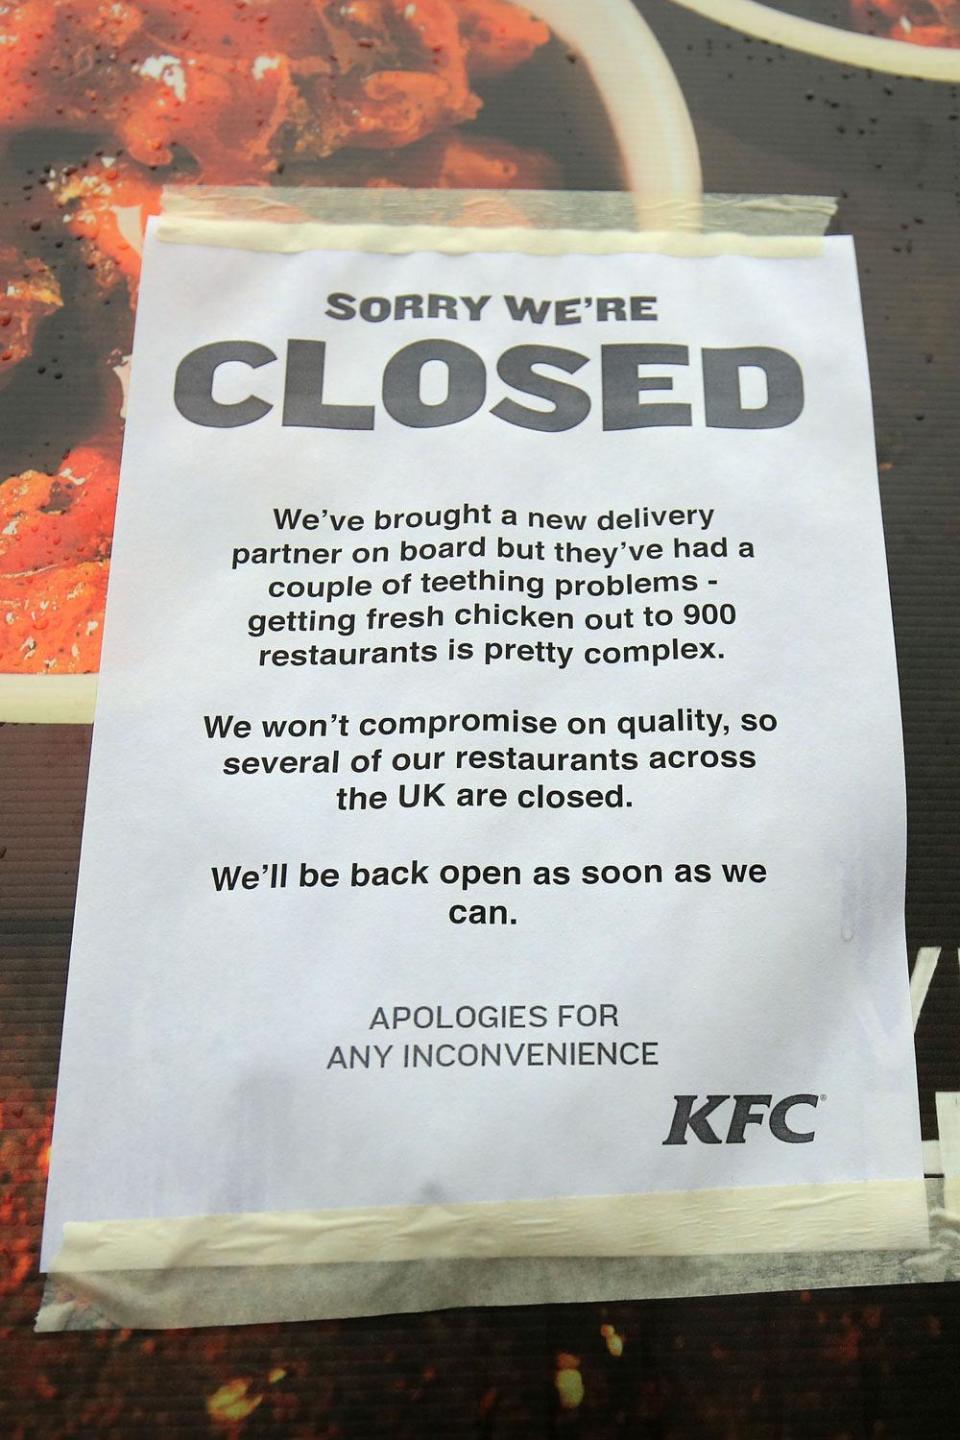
(644, 101)
(893, 57)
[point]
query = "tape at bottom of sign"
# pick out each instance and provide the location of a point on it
(851, 1216)
(239, 1293)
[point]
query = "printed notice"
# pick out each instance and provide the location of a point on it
(497, 787)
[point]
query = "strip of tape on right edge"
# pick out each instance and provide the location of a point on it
(948, 1124)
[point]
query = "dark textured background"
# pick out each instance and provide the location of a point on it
(839, 1364)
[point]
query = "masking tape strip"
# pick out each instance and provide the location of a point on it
(243, 1295)
(948, 1124)
(180, 225)
(290, 239)
(42, 699)
(932, 1161)
(769, 214)
(855, 1216)
(829, 42)
(500, 209)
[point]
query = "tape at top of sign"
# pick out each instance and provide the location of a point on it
(747, 214)
(460, 222)
(263, 235)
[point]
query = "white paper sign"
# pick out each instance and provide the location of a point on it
(497, 788)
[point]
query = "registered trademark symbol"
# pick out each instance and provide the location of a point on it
(823, 1097)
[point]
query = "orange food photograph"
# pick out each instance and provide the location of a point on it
(101, 105)
(917, 22)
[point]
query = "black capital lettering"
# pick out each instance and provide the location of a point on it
(303, 402)
(193, 384)
(778, 1119)
(402, 381)
(623, 386)
(684, 1117)
(721, 388)
(747, 1110)
(570, 405)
